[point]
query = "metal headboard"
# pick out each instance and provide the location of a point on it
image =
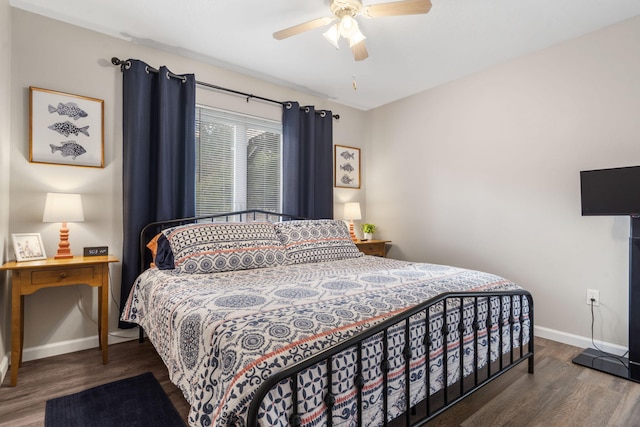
(154, 228)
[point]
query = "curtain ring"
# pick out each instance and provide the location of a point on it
(287, 105)
(127, 65)
(307, 109)
(184, 79)
(146, 68)
(168, 76)
(323, 113)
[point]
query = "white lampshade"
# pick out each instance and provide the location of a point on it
(352, 211)
(333, 35)
(356, 38)
(63, 207)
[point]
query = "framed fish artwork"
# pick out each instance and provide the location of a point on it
(346, 166)
(65, 129)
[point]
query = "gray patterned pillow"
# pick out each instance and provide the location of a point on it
(218, 247)
(316, 240)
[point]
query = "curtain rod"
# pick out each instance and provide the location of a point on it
(119, 62)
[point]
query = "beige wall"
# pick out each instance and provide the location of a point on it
(484, 173)
(5, 118)
(70, 59)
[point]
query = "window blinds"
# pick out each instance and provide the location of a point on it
(238, 162)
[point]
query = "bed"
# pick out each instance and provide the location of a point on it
(266, 320)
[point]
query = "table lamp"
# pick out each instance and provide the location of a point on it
(63, 207)
(351, 212)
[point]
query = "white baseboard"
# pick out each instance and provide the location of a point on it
(63, 347)
(4, 367)
(577, 340)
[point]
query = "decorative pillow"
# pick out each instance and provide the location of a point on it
(316, 240)
(217, 247)
(161, 254)
(164, 255)
(153, 247)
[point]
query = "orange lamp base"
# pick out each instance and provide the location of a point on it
(64, 251)
(352, 232)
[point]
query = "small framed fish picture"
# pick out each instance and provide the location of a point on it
(346, 166)
(65, 129)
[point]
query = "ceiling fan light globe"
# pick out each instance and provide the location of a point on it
(333, 35)
(348, 26)
(356, 38)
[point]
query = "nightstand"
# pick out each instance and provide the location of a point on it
(373, 247)
(30, 276)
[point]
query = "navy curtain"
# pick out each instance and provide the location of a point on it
(307, 170)
(158, 156)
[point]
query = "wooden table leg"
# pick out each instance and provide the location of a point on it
(21, 346)
(103, 314)
(17, 320)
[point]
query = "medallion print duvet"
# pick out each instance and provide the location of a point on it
(220, 335)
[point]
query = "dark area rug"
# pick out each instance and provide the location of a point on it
(134, 402)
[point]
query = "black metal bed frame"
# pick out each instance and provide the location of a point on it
(433, 404)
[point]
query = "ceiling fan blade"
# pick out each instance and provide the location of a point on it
(301, 28)
(359, 51)
(407, 7)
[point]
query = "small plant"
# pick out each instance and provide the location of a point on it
(368, 228)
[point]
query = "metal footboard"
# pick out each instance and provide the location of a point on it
(463, 315)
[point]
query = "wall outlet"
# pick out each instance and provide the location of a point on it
(595, 295)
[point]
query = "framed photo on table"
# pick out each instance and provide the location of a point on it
(28, 246)
(65, 129)
(346, 165)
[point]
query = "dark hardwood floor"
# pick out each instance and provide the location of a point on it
(558, 394)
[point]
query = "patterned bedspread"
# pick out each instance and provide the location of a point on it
(220, 335)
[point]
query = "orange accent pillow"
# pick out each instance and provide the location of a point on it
(153, 247)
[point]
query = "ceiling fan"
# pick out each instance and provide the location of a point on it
(345, 25)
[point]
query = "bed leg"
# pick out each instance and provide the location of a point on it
(140, 334)
(530, 362)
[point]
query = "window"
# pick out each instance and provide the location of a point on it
(238, 162)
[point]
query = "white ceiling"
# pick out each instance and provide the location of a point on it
(407, 54)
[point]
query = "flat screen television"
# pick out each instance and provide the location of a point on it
(611, 191)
